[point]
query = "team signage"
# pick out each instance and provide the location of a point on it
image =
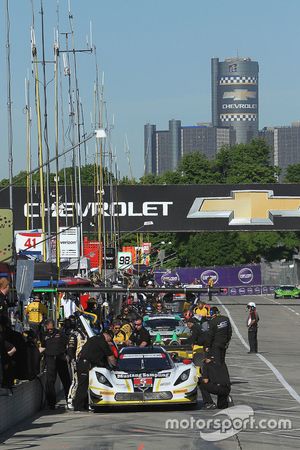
(6, 235)
(124, 260)
(173, 208)
(29, 243)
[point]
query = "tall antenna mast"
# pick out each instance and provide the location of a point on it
(127, 152)
(9, 112)
(39, 131)
(46, 133)
(78, 192)
(29, 214)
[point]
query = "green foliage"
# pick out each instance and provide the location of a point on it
(127, 180)
(149, 179)
(292, 174)
(88, 176)
(246, 163)
(195, 168)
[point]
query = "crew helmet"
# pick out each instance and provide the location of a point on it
(251, 305)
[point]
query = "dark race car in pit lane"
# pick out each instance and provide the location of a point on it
(144, 376)
(170, 331)
(166, 329)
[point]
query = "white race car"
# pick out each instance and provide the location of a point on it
(143, 376)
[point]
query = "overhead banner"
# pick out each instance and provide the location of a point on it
(6, 235)
(174, 208)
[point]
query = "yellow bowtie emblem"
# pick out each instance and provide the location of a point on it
(246, 207)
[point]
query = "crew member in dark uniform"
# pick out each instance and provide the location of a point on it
(219, 335)
(54, 345)
(198, 336)
(7, 350)
(4, 290)
(215, 380)
(96, 352)
(140, 336)
(252, 324)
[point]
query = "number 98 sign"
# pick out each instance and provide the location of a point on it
(124, 260)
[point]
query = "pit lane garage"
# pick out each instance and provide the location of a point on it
(144, 376)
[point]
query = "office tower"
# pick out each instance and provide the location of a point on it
(165, 148)
(284, 142)
(149, 146)
(234, 85)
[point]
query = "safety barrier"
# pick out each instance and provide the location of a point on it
(26, 399)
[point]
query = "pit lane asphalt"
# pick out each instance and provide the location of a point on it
(256, 383)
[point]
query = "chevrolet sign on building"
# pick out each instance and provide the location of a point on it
(235, 96)
(173, 208)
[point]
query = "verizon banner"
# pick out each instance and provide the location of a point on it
(69, 243)
(177, 208)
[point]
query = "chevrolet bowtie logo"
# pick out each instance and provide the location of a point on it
(246, 207)
(240, 94)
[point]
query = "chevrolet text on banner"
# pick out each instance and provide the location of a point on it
(177, 208)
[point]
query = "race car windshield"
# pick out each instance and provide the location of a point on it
(139, 363)
(287, 288)
(166, 324)
(175, 307)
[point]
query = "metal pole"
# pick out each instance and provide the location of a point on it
(9, 112)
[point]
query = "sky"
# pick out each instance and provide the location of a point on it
(155, 56)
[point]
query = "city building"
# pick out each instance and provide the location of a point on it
(284, 142)
(234, 91)
(164, 149)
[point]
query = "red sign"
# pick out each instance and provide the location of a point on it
(142, 382)
(91, 251)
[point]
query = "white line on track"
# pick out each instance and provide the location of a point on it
(276, 372)
(284, 306)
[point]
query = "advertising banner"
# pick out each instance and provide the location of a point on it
(244, 276)
(69, 247)
(237, 99)
(176, 208)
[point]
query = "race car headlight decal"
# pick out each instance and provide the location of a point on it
(102, 379)
(183, 377)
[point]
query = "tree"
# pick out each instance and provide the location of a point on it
(246, 163)
(196, 168)
(292, 174)
(150, 178)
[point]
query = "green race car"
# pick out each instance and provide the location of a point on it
(287, 291)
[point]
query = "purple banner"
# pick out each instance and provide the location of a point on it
(243, 278)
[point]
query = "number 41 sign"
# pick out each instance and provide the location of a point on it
(29, 242)
(124, 260)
